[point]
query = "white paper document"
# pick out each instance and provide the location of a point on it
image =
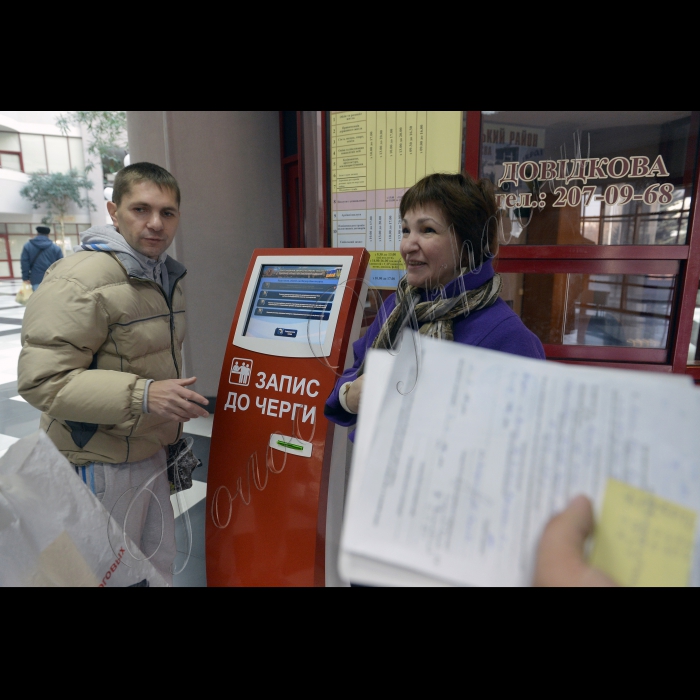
(463, 455)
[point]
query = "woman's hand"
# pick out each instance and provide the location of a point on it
(352, 398)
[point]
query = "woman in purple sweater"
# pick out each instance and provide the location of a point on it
(450, 290)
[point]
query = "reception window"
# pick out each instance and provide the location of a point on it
(596, 231)
(582, 178)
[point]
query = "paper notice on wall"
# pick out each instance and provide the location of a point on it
(375, 158)
(474, 450)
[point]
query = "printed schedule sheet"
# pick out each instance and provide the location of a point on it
(375, 158)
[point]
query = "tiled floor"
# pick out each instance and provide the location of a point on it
(18, 419)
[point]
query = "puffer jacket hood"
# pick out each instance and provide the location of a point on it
(41, 242)
(108, 239)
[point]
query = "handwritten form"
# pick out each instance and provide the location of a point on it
(456, 473)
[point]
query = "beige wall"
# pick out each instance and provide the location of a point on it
(228, 167)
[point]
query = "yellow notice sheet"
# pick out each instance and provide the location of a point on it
(643, 540)
(375, 158)
(386, 260)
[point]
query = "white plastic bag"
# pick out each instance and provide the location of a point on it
(25, 291)
(54, 531)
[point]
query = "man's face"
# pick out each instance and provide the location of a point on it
(147, 217)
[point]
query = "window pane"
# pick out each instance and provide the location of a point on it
(57, 154)
(638, 172)
(693, 353)
(16, 245)
(20, 228)
(33, 153)
(3, 250)
(4, 269)
(593, 309)
(10, 161)
(76, 154)
(9, 141)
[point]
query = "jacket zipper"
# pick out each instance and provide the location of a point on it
(172, 332)
(172, 315)
(180, 426)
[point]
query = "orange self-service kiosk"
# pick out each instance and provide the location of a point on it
(277, 467)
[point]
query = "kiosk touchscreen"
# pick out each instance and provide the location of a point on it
(276, 479)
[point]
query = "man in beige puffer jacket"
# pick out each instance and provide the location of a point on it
(101, 357)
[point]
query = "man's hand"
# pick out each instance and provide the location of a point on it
(560, 560)
(169, 399)
(352, 398)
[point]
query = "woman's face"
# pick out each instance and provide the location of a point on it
(429, 248)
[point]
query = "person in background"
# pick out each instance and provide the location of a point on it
(560, 556)
(450, 290)
(101, 357)
(38, 254)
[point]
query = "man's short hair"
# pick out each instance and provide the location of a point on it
(143, 172)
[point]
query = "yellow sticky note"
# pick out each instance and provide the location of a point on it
(643, 540)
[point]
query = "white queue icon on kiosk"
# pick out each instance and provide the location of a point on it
(241, 371)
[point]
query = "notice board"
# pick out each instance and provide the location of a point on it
(375, 157)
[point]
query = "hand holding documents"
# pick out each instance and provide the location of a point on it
(463, 454)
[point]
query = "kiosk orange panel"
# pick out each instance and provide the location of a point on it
(271, 446)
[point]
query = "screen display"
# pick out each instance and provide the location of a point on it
(293, 303)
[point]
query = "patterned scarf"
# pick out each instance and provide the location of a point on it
(435, 318)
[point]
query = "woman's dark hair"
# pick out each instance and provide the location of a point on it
(467, 204)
